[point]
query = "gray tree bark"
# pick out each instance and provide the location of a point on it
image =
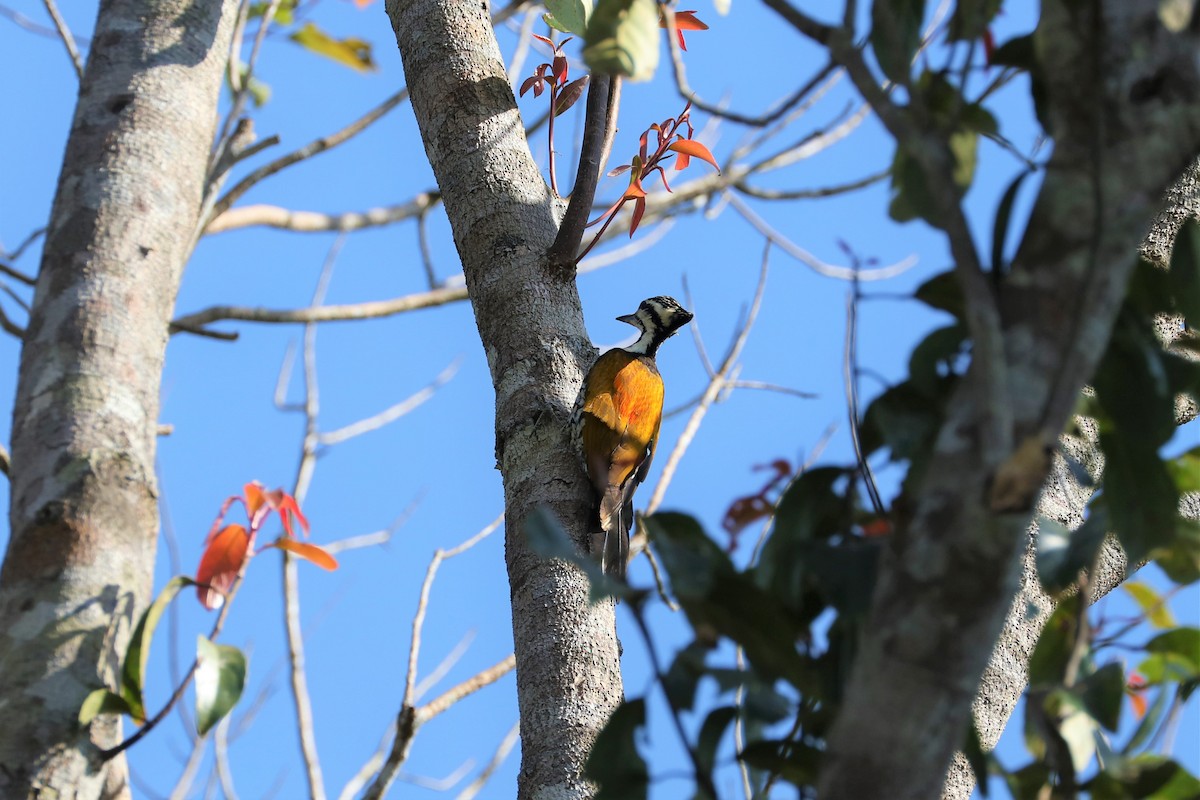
(531, 325)
(80, 560)
(1063, 500)
(1123, 97)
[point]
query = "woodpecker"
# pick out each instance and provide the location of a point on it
(615, 423)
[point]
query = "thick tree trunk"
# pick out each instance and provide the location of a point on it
(531, 325)
(1126, 124)
(80, 559)
(1063, 500)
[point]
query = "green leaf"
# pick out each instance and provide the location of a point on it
(220, 678)
(1078, 730)
(943, 292)
(1185, 471)
(1183, 643)
(622, 39)
(1053, 650)
(684, 675)
(718, 599)
(1152, 605)
(133, 670)
(351, 52)
(1180, 560)
(1017, 52)
(1142, 502)
(933, 360)
(964, 147)
(102, 701)
(1003, 216)
(615, 763)
(976, 757)
(795, 762)
(1148, 723)
(1135, 358)
(896, 35)
(1185, 271)
(1027, 783)
(711, 732)
(1061, 554)
(283, 14)
(570, 16)
(1102, 694)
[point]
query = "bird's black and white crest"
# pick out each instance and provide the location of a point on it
(658, 318)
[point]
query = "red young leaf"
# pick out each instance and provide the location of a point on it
(694, 149)
(621, 170)
(687, 21)
(1136, 690)
(682, 160)
(224, 554)
(307, 551)
(639, 208)
(570, 94)
(877, 527)
(543, 39)
(989, 45)
(560, 69)
(529, 83)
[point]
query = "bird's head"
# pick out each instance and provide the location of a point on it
(658, 318)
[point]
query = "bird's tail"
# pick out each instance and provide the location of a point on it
(616, 516)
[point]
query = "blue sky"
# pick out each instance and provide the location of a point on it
(437, 464)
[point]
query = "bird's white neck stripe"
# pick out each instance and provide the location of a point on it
(642, 345)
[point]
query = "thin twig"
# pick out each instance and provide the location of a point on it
(337, 313)
(410, 719)
(811, 261)
(444, 666)
(393, 413)
(291, 590)
(506, 745)
(317, 222)
(850, 380)
(715, 385)
(418, 623)
(311, 149)
(16, 254)
(814, 194)
(221, 753)
(68, 40)
(600, 119)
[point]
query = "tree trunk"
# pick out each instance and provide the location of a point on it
(80, 560)
(1126, 123)
(529, 319)
(1063, 500)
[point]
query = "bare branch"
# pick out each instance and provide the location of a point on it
(506, 745)
(715, 384)
(687, 93)
(811, 261)
(393, 413)
(814, 194)
(443, 668)
(221, 752)
(68, 40)
(339, 313)
(600, 124)
(21, 248)
(315, 221)
(291, 590)
(16, 274)
(419, 618)
(468, 687)
(311, 149)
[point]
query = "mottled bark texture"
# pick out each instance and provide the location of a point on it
(1063, 500)
(80, 559)
(531, 325)
(1124, 102)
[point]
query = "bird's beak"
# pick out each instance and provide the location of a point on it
(629, 319)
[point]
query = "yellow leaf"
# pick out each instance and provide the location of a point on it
(352, 52)
(1152, 605)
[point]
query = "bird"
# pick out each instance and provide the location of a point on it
(615, 424)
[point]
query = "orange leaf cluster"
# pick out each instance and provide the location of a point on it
(229, 548)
